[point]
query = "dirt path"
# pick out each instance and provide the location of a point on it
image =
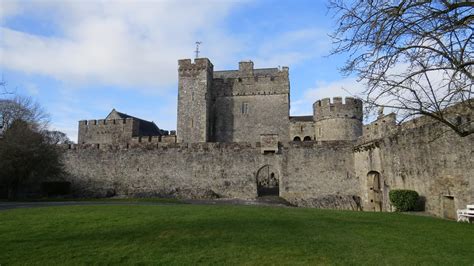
(257, 202)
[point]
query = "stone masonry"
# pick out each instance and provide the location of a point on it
(235, 139)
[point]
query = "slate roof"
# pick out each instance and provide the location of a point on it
(146, 128)
(305, 118)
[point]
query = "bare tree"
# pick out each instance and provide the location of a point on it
(416, 57)
(25, 109)
(26, 154)
(3, 87)
(28, 150)
(55, 137)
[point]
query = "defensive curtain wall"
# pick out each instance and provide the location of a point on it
(306, 174)
(420, 155)
(234, 140)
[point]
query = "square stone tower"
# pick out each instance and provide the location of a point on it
(194, 100)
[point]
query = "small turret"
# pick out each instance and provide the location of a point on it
(246, 68)
(338, 120)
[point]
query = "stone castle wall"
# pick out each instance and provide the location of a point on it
(302, 130)
(222, 116)
(428, 158)
(249, 102)
(306, 173)
(245, 118)
(107, 131)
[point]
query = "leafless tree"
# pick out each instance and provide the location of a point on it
(3, 88)
(414, 56)
(55, 137)
(25, 109)
(26, 154)
(28, 149)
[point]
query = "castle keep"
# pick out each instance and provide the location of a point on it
(236, 139)
(241, 105)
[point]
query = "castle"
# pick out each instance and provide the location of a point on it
(235, 138)
(234, 106)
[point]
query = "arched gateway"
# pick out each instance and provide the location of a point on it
(267, 181)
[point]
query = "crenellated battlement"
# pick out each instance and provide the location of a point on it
(154, 139)
(248, 86)
(272, 74)
(337, 108)
(199, 64)
(153, 143)
(98, 122)
(248, 81)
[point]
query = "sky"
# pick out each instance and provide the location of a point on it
(81, 58)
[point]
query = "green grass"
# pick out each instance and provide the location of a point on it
(196, 234)
(129, 200)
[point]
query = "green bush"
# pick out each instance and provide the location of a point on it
(404, 199)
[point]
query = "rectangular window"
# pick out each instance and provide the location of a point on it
(244, 108)
(319, 131)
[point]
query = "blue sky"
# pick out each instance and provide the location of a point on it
(80, 59)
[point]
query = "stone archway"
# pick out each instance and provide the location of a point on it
(268, 183)
(374, 191)
(296, 138)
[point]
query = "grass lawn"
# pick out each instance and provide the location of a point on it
(128, 200)
(197, 234)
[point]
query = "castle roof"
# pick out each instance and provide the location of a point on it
(305, 118)
(146, 128)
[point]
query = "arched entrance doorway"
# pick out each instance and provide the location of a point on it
(296, 138)
(267, 182)
(375, 197)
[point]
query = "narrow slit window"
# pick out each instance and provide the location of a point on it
(245, 108)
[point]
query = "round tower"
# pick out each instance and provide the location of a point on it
(338, 120)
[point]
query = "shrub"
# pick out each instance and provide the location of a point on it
(404, 199)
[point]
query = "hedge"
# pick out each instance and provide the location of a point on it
(404, 199)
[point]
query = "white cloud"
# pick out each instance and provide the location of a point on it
(346, 87)
(124, 43)
(137, 43)
(343, 88)
(8, 8)
(293, 47)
